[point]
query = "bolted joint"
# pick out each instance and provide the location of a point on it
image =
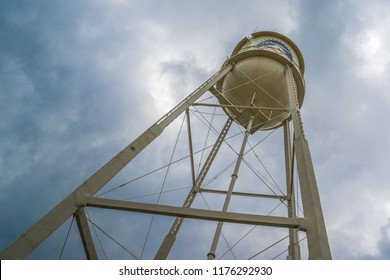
(80, 199)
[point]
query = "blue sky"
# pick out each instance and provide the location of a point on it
(79, 80)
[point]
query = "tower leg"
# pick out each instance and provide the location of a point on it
(85, 233)
(318, 245)
(316, 232)
(293, 248)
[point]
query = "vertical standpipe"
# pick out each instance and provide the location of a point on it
(211, 254)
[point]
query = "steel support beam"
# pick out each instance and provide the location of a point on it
(190, 146)
(28, 241)
(241, 107)
(193, 213)
(85, 233)
(294, 252)
(170, 238)
(214, 244)
(258, 195)
(317, 238)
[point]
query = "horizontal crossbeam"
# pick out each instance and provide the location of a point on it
(283, 197)
(202, 214)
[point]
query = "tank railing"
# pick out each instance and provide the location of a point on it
(242, 107)
(274, 50)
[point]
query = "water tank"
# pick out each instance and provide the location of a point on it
(257, 84)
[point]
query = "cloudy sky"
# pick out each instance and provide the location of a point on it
(79, 80)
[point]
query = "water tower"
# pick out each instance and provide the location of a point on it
(261, 88)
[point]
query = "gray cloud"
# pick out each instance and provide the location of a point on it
(80, 80)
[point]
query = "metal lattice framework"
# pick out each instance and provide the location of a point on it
(296, 151)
